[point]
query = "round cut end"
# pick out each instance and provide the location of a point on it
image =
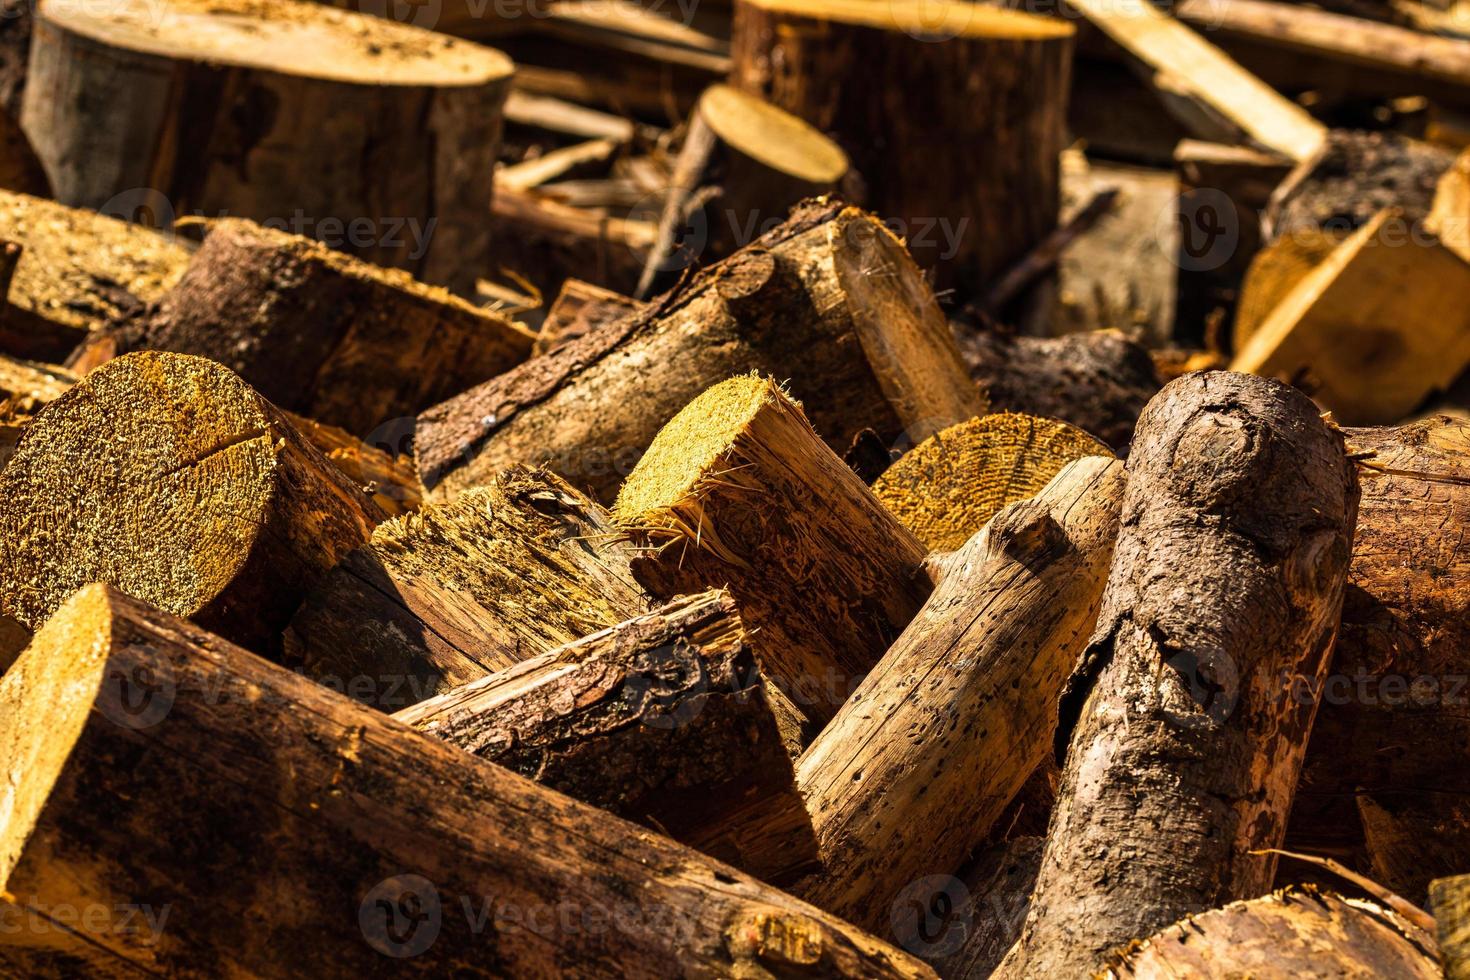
(772, 136)
(689, 448)
(153, 474)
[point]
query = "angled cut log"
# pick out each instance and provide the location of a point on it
(155, 763)
(926, 754)
(662, 719)
(310, 116)
(456, 591)
(321, 333)
(738, 491)
(1450, 899)
(1288, 934)
(829, 300)
(169, 477)
(947, 487)
(1183, 752)
(580, 308)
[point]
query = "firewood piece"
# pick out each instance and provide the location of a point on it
(1098, 380)
(371, 134)
(1216, 90)
(950, 485)
(580, 308)
(546, 242)
(1391, 720)
(169, 477)
(739, 491)
(317, 332)
(381, 843)
(662, 719)
(1450, 898)
(77, 271)
(755, 160)
(385, 476)
(829, 300)
(1227, 575)
(1377, 307)
(530, 174)
(953, 116)
(1287, 935)
(559, 116)
(997, 889)
(922, 759)
(455, 591)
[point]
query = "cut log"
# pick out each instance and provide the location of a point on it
(376, 137)
(997, 892)
(921, 761)
(662, 719)
(156, 763)
(952, 116)
(738, 491)
(1291, 934)
(580, 308)
(380, 470)
(1392, 723)
(829, 300)
(321, 333)
(1450, 898)
(77, 271)
(169, 477)
(743, 165)
(1381, 306)
(546, 242)
(950, 485)
(1183, 755)
(456, 591)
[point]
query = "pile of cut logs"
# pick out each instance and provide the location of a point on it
(799, 488)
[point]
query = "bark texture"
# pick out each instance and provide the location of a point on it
(389, 479)
(456, 591)
(291, 832)
(739, 492)
(829, 300)
(662, 719)
(1183, 750)
(997, 892)
(167, 476)
(580, 308)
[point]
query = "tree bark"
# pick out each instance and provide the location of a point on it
(997, 893)
(317, 332)
(383, 475)
(743, 165)
(920, 762)
(155, 763)
(363, 132)
(580, 308)
(947, 487)
(829, 300)
(1450, 898)
(739, 492)
(1392, 721)
(662, 719)
(167, 476)
(1183, 748)
(1286, 935)
(958, 141)
(456, 591)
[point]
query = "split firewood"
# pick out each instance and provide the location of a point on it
(77, 271)
(996, 893)
(950, 485)
(663, 719)
(384, 845)
(386, 476)
(1286, 935)
(455, 591)
(739, 491)
(1183, 755)
(952, 115)
(375, 136)
(1392, 732)
(580, 308)
(1450, 898)
(829, 300)
(545, 242)
(1099, 381)
(169, 477)
(321, 333)
(921, 761)
(743, 165)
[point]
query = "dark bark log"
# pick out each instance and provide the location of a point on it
(580, 308)
(1183, 748)
(286, 831)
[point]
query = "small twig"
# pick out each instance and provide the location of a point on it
(1393, 900)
